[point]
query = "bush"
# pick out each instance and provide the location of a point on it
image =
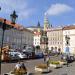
(53, 62)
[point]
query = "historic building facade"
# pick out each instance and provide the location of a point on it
(55, 39)
(37, 35)
(17, 37)
(69, 39)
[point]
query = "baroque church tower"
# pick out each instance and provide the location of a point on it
(46, 23)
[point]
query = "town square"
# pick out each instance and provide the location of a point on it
(37, 37)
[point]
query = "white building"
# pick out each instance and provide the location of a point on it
(55, 38)
(69, 31)
(37, 36)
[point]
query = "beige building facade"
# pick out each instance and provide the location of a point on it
(55, 39)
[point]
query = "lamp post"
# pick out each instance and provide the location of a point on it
(13, 17)
(67, 38)
(4, 27)
(21, 40)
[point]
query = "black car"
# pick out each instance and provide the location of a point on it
(68, 57)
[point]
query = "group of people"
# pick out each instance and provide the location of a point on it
(20, 67)
(47, 58)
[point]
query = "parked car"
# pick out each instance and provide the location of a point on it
(69, 57)
(22, 55)
(39, 55)
(14, 57)
(29, 52)
(13, 52)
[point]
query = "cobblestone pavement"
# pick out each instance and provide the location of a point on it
(30, 64)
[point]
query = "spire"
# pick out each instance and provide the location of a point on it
(38, 25)
(46, 23)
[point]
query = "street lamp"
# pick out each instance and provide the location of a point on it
(4, 27)
(67, 39)
(13, 17)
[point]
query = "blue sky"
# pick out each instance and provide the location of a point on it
(59, 12)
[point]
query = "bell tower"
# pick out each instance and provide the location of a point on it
(46, 23)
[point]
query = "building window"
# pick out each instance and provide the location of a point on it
(58, 42)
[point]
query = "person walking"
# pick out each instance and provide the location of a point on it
(44, 58)
(67, 60)
(18, 66)
(47, 61)
(23, 66)
(17, 69)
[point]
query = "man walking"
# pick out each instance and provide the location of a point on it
(67, 59)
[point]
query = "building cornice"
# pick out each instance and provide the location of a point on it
(69, 27)
(17, 26)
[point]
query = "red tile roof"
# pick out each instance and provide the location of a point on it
(17, 26)
(9, 23)
(69, 27)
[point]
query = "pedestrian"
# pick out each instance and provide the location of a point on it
(47, 61)
(48, 56)
(67, 60)
(18, 66)
(17, 69)
(23, 66)
(44, 58)
(61, 57)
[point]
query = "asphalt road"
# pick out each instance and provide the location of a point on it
(30, 64)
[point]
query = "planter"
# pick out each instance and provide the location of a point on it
(11, 73)
(55, 65)
(41, 70)
(62, 62)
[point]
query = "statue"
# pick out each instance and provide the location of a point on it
(67, 38)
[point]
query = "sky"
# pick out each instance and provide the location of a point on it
(59, 12)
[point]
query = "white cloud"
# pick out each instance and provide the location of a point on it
(20, 6)
(56, 9)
